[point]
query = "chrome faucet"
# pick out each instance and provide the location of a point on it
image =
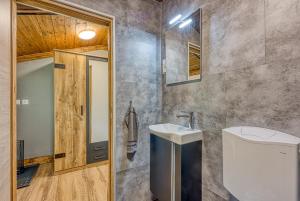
(191, 117)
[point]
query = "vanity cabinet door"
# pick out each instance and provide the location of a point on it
(188, 180)
(160, 168)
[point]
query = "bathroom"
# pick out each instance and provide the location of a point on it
(250, 77)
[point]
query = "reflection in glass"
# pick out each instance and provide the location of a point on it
(99, 100)
(194, 61)
(183, 50)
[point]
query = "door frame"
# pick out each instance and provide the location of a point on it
(70, 9)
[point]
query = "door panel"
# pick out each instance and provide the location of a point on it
(160, 168)
(70, 111)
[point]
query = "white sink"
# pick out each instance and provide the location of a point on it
(175, 133)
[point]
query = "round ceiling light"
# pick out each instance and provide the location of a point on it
(87, 34)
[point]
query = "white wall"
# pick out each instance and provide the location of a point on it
(28, 67)
(35, 124)
(5, 64)
(98, 53)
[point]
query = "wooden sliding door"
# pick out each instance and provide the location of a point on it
(70, 110)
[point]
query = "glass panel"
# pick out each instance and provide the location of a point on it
(183, 50)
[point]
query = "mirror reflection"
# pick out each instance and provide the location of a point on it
(98, 102)
(183, 50)
(194, 66)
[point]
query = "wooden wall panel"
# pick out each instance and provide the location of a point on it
(5, 69)
(70, 110)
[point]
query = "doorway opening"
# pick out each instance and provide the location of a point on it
(63, 139)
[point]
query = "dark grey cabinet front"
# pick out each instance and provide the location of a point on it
(97, 152)
(160, 168)
(181, 181)
(190, 171)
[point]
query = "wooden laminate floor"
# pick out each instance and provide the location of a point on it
(89, 184)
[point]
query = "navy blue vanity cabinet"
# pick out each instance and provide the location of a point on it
(175, 170)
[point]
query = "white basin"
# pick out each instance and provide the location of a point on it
(175, 133)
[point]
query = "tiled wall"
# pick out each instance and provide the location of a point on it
(251, 61)
(251, 76)
(137, 79)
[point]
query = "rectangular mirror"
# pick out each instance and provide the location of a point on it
(98, 89)
(183, 50)
(98, 109)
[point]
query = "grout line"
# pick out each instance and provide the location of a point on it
(265, 31)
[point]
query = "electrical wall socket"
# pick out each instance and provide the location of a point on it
(25, 102)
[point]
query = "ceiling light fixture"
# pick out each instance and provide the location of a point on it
(87, 34)
(175, 19)
(185, 23)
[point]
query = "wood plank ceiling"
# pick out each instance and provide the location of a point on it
(40, 32)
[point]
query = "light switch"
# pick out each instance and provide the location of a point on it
(25, 102)
(164, 69)
(18, 102)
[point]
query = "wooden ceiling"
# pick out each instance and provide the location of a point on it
(194, 60)
(40, 32)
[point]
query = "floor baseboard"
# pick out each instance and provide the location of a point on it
(38, 160)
